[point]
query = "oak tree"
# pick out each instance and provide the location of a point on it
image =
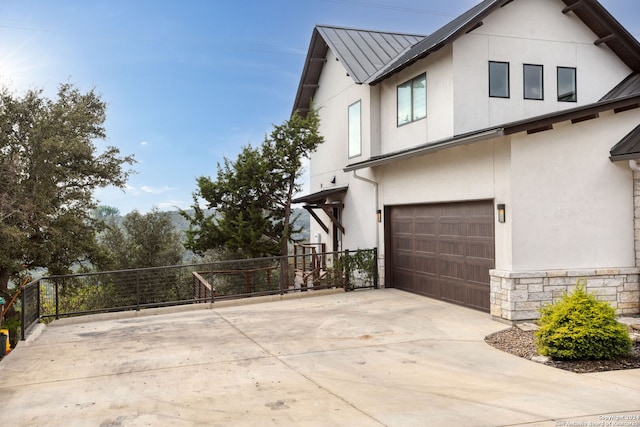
(50, 167)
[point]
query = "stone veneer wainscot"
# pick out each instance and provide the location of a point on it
(517, 296)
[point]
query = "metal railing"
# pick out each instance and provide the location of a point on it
(54, 297)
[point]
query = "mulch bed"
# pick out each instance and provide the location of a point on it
(521, 343)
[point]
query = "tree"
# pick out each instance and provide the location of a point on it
(103, 212)
(144, 240)
(241, 226)
(284, 150)
(251, 197)
(49, 169)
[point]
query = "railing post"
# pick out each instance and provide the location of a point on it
(137, 290)
(281, 275)
(23, 319)
(347, 272)
(39, 297)
(375, 268)
(57, 300)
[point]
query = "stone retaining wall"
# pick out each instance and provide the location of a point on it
(517, 296)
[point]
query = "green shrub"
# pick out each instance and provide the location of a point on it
(578, 326)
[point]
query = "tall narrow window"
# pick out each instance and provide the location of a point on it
(412, 100)
(533, 82)
(355, 130)
(567, 88)
(498, 79)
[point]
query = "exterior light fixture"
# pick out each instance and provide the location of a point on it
(379, 215)
(502, 213)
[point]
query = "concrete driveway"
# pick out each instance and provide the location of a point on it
(366, 358)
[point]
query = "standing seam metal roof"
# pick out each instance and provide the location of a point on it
(364, 52)
(629, 86)
(462, 24)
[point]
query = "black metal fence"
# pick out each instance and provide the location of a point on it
(308, 269)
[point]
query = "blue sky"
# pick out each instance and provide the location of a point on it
(190, 82)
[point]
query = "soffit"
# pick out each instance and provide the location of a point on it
(321, 196)
(608, 30)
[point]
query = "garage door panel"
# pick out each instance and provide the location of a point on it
(428, 285)
(426, 227)
(451, 229)
(480, 249)
(404, 226)
(478, 273)
(477, 229)
(453, 268)
(450, 248)
(405, 276)
(404, 260)
(426, 263)
(403, 242)
(424, 243)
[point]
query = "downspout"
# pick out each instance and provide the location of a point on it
(633, 165)
(375, 184)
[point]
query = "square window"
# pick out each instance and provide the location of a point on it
(498, 79)
(567, 88)
(412, 100)
(355, 130)
(533, 82)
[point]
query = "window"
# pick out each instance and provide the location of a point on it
(355, 130)
(498, 79)
(533, 85)
(567, 90)
(412, 100)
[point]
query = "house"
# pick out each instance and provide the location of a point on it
(492, 162)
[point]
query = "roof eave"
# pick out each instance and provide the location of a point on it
(321, 195)
(427, 148)
(471, 24)
(622, 157)
(609, 31)
(309, 79)
(529, 125)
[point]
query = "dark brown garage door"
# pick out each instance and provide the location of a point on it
(443, 251)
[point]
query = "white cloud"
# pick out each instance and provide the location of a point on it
(144, 143)
(156, 190)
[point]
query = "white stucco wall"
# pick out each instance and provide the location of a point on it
(479, 171)
(571, 207)
(528, 32)
(439, 121)
(335, 93)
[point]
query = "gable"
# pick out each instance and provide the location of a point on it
(361, 52)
